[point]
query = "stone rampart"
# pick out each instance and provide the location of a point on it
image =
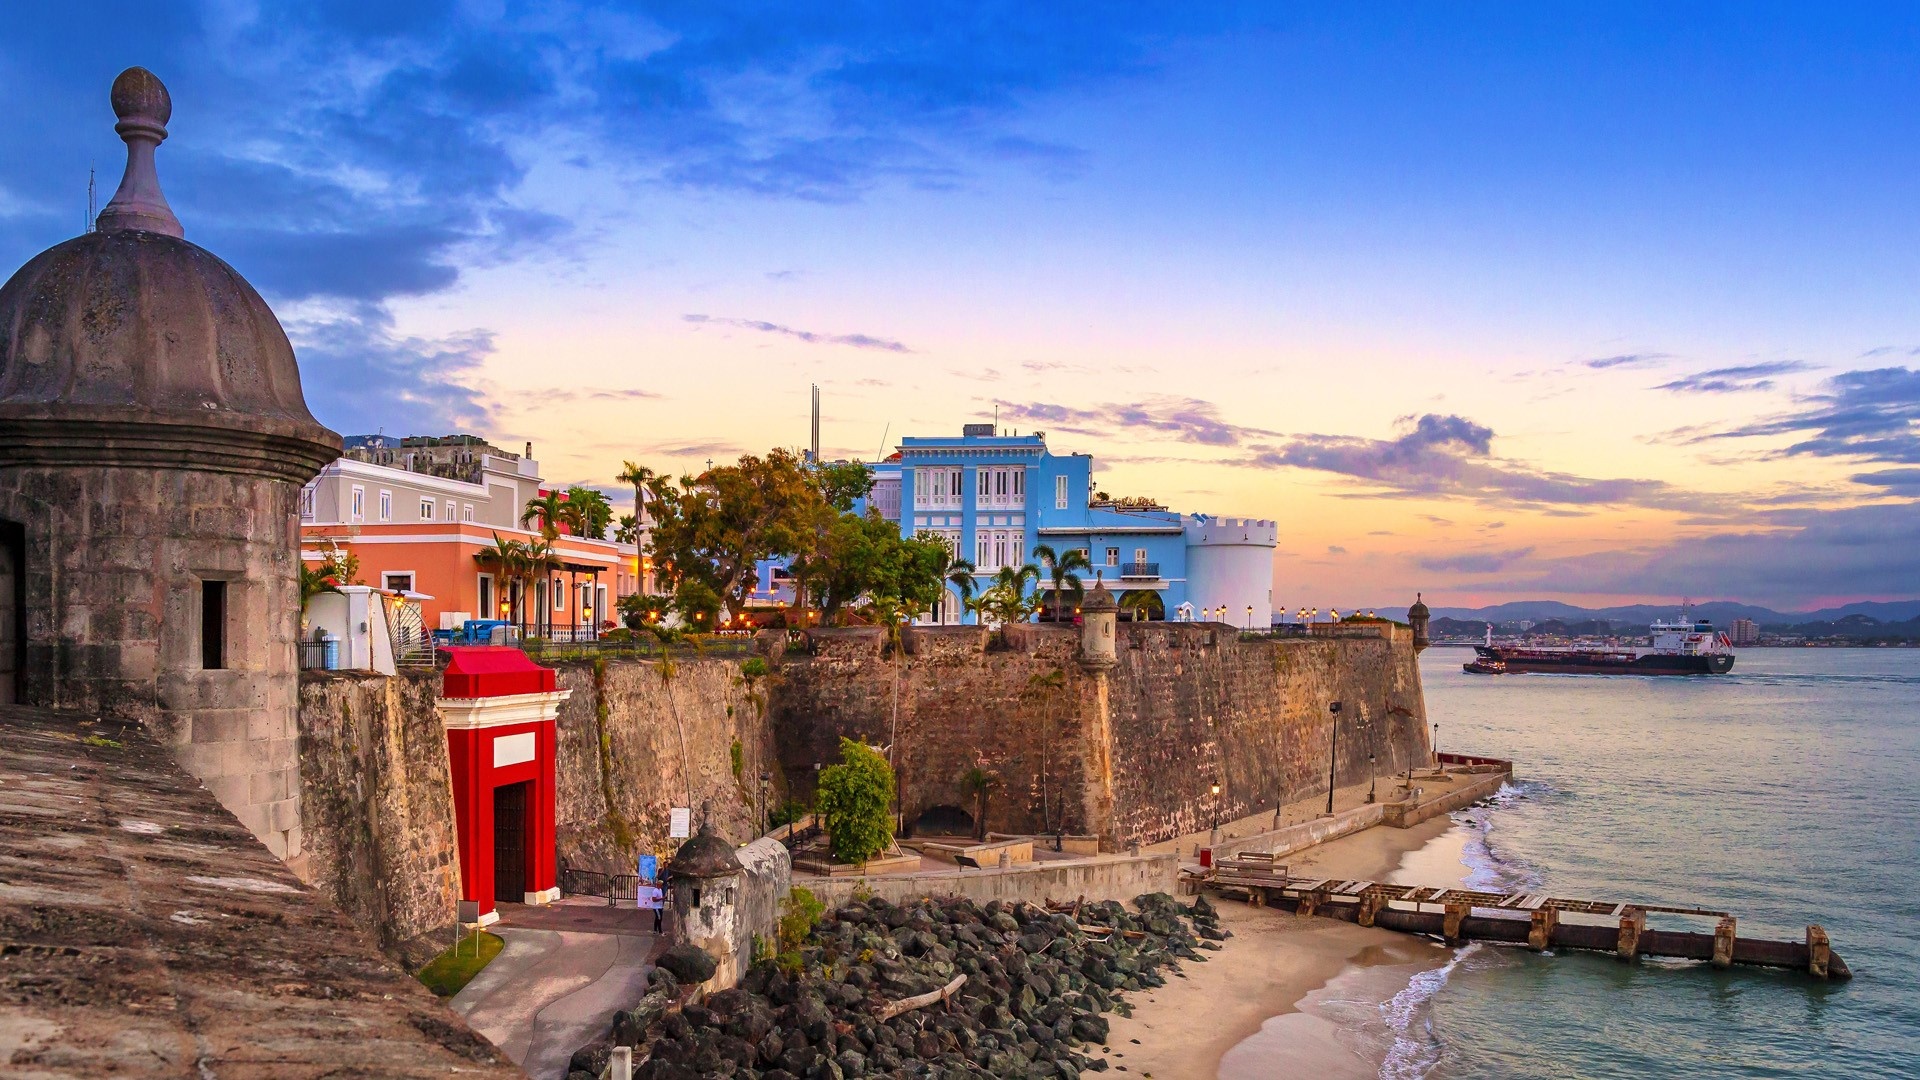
(377, 806)
(1131, 755)
(637, 738)
(1115, 877)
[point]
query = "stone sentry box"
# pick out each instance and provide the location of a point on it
(153, 440)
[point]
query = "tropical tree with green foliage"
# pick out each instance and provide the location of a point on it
(854, 803)
(550, 510)
(960, 575)
(1046, 688)
(981, 783)
(713, 528)
(587, 512)
(1008, 600)
(627, 530)
(1063, 572)
(336, 569)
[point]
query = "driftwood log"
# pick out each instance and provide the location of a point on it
(894, 1008)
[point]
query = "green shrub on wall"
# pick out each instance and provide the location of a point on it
(854, 803)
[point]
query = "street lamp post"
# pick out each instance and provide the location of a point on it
(1373, 782)
(1333, 752)
(1436, 745)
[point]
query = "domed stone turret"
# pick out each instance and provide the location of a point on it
(1099, 613)
(153, 439)
(1417, 616)
(704, 855)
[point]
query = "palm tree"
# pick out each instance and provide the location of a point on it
(960, 576)
(628, 531)
(550, 510)
(587, 512)
(508, 560)
(639, 476)
(1045, 687)
(980, 783)
(315, 580)
(539, 560)
(1014, 581)
(1063, 569)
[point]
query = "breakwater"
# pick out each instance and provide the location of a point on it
(933, 988)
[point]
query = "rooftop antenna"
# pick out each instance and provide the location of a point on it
(93, 199)
(884, 432)
(996, 418)
(816, 423)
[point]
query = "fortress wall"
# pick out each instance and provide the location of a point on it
(622, 765)
(1188, 706)
(376, 803)
(959, 707)
(1193, 706)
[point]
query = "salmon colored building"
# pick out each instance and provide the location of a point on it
(431, 535)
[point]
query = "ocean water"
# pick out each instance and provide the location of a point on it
(1787, 793)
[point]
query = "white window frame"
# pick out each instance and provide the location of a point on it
(483, 592)
(1061, 491)
(1113, 556)
(559, 593)
(306, 503)
(387, 576)
(466, 511)
(1139, 555)
(982, 548)
(427, 508)
(936, 487)
(386, 506)
(359, 504)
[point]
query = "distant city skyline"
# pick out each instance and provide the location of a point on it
(1492, 305)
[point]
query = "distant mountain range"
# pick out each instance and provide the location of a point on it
(1719, 612)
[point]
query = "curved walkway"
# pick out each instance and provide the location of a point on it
(549, 991)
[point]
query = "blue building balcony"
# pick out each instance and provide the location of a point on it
(1137, 570)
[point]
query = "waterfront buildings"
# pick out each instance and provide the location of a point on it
(1744, 633)
(994, 497)
(426, 519)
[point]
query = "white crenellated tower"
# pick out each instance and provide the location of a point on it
(1230, 564)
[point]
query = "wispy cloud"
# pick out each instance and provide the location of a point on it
(1734, 380)
(1452, 457)
(857, 341)
(378, 379)
(1179, 418)
(1625, 360)
(1872, 414)
(1475, 562)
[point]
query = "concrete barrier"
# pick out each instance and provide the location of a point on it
(1405, 815)
(1115, 877)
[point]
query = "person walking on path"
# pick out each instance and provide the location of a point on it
(652, 896)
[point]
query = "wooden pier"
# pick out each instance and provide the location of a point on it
(1536, 920)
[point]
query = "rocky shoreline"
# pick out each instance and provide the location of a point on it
(935, 989)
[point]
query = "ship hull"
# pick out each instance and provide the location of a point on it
(1497, 661)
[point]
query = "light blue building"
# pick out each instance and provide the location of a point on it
(994, 497)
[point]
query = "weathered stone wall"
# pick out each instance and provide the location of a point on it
(114, 561)
(1017, 712)
(1192, 706)
(1130, 755)
(638, 738)
(377, 801)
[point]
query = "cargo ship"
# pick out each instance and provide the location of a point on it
(1691, 647)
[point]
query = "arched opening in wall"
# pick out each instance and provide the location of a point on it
(1064, 609)
(947, 611)
(1142, 605)
(13, 612)
(943, 821)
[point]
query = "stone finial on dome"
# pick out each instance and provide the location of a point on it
(143, 105)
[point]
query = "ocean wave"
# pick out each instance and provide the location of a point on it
(1416, 1048)
(1487, 869)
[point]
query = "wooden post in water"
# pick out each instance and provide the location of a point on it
(1370, 904)
(1540, 934)
(1723, 942)
(1450, 925)
(1819, 953)
(1633, 923)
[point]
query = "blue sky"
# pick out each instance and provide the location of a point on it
(1485, 300)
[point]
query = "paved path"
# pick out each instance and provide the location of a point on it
(549, 991)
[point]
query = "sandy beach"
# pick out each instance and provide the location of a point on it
(1228, 1016)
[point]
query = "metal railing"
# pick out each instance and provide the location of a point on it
(644, 646)
(1140, 570)
(615, 887)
